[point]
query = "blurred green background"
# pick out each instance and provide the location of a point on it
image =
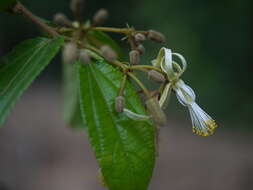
(215, 36)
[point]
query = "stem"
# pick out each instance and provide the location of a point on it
(19, 8)
(122, 86)
(116, 30)
(145, 90)
(149, 67)
(122, 66)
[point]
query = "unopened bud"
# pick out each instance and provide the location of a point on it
(62, 20)
(141, 49)
(139, 38)
(108, 53)
(134, 57)
(70, 53)
(75, 5)
(84, 57)
(156, 36)
(119, 104)
(156, 111)
(156, 76)
(100, 16)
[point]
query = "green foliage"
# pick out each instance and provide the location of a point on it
(125, 149)
(20, 67)
(6, 4)
(100, 38)
(72, 113)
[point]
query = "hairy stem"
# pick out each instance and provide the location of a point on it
(116, 30)
(20, 8)
(122, 85)
(149, 67)
(145, 90)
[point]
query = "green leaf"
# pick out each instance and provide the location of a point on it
(72, 113)
(20, 67)
(99, 38)
(6, 4)
(124, 148)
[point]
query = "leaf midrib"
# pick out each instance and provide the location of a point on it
(113, 119)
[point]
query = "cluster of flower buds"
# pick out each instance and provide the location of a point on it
(71, 53)
(138, 38)
(202, 123)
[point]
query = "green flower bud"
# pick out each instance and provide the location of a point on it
(70, 53)
(141, 49)
(119, 104)
(100, 16)
(62, 20)
(156, 111)
(134, 57)
(139, 38)
(156, 36)
(75, 5)
(156, 76)
(108, 53)
(84, 57)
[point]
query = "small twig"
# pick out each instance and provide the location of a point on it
(122, 85)
(19, 8)
(145, 90)
(149, 67)
(116, 30)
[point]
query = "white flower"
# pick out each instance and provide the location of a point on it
(202, 123)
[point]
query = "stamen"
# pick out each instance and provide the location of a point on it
(202, 123)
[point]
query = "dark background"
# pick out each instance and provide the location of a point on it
(215, 36)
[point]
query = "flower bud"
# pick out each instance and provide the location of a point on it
(75, 5)
(156, 111)
(134, 57)
(84, 57)
(108, 53)
(156, 76)
(141, 49)
(156, 36)
(139, 38)
(119, 104)
(70, 53)
(62, 20)
(100, 16)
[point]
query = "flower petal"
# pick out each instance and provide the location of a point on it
(135, 116)
(163, 101)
